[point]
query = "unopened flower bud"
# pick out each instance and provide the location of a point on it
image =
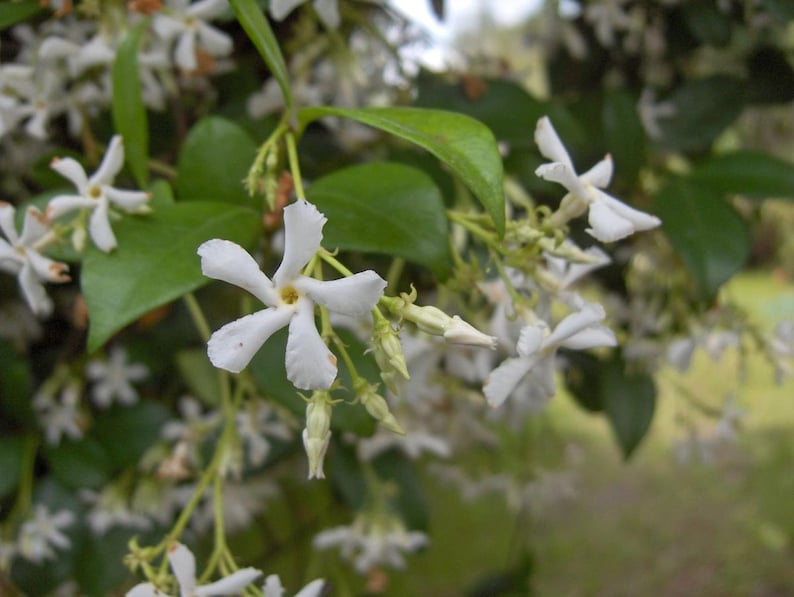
(317, 433)
(378, 409)
(79, 238)
(389, 353)
(460, 332)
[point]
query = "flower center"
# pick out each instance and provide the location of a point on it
(94, 192)
(289, 295)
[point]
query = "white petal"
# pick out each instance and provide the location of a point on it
(144, 590)
(504, 379)
(216, 42)
(231, 585)
(303, 232)
(273, 586)
(639, 219)
(530, 339)
(34, 227)
(565, 175)
(183, 564)
(606, 225)
(355, 295)
(234, 345)
(229, 262)
(279, 9)
(542, 377)
(46, 269)
(310, 365)
(328, 10)
(33, 291)
(313, 589)
(7, 223)
(549, 143)
(62, 204)
(600, 174)
(679, 353)
(208, 9)
(127, 200)
(111, 163)
(185, 55)
(71, 169)
(574, 323)
(167, 27)
(592, 337)
(99, 227)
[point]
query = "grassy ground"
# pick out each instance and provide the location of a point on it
(653, 526)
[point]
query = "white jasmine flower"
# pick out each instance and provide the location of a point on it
(274, 588)
(96, 194)
(19, 256)
(610, 219)
(60, 417)
(372, 540)
(183, 565)
(536, 349)
(112, 378)
(608, 17)
(39, 536)
(327, 10)
(414, 443)
(188, 22)
(256, 423)
(652, 111)
(290, 298)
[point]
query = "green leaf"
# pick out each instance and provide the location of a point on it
(126, 432)
(582, 379)
(162, 194)
(213, 162)
(707, 23)
(624, 134)
(12, 450)
(502, 105)
(129, 113)
(629, 402)
(155, 262)
(394, 466)
(12, 13)
(78, 464)
(465, 145)
(100, 563)
(15, 388)
(258, 29)
(703, 109)
(751, 173)
(385, 208)
(706, 232)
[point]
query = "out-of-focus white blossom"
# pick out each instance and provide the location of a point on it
(113, 378)
(59, 417)
(274, 588)
(41, 535)
(328, 10)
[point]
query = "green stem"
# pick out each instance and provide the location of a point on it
(394, 273)
(25, 493)
(294, 165)
(197, 315)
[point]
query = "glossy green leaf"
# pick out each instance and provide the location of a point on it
(250, 16)
(629, 401)
(12, 13)
(129, 113)
(502, 105)
(213, 162)
(79, 464)
(751, 173)
(395, 467)
(465, 145)
(703, 109)
(100, 563)
(155, 262)
(384, 208)
(623, 133)
(15, 388)
(126, 432)
(12, 450)
(582, 379)
(162, 194)
(706, 232)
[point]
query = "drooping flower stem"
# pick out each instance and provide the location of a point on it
(294, 165)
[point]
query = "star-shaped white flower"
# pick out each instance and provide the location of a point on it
(274, 588)
(327, 10)
(183, 564)
(188, 22)
(112, 378)
(609, 218)
(536, 350)
(96, 194)
(290, 298)
(18, 256)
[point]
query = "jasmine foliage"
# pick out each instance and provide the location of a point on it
(437, 261)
